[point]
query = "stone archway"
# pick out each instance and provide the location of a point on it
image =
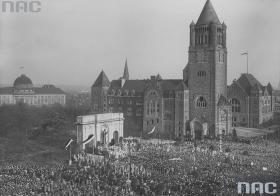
(198, 129)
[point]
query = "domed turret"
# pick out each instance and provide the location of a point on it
(23, 82)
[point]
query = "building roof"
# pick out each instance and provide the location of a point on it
(137, 85)
(22, 80)
(276, 93)
(48, 90)
(181, 86)
(208, 15)
(248, 82)
(169, 85)
(102, 80)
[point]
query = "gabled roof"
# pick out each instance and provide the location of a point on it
(248, 82)
(269, 88)
(102, 80)
(169, 85)
(208, 15)
(181, 86)
(137, 85)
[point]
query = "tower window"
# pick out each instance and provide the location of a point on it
(201, 73)
(201, 102)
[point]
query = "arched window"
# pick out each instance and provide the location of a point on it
(235, 105)
(201, 102)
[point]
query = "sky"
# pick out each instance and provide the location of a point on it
(70, 41)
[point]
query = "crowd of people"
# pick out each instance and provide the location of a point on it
(152, 169)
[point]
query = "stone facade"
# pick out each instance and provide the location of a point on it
(104, 127)
(252, 103)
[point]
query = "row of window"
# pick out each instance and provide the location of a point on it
(204, 39)
(124, 93)
(201, 73)
(33, 100)
(129, 111)
(121, 101)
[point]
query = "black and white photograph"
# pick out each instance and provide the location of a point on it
(139, 97)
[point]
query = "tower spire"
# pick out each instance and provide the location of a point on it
(126, 73)
(208, 15)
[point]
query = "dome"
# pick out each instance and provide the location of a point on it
(23, 82)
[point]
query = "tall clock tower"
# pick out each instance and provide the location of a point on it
(206, 71)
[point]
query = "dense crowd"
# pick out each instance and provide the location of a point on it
(151, 169)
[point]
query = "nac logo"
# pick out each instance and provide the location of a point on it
(256, 187)
(23, 6)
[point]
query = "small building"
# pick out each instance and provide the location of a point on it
(104, 128)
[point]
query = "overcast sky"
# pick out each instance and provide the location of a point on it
(71, 41)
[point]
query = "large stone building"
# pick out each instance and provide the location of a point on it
(252, 103)
(206, 75)
(24, 91)
(194, 106)
(146, 104)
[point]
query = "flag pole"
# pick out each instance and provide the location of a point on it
(247, 62)
(247, 56)
(70, 154)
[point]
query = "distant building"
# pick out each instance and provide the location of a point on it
(24, 91)
(104, 127)
(252, 103)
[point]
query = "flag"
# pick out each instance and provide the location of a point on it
(264, 168)
(90, 137)
(244, 53)
(153, 130)
(68, 144)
